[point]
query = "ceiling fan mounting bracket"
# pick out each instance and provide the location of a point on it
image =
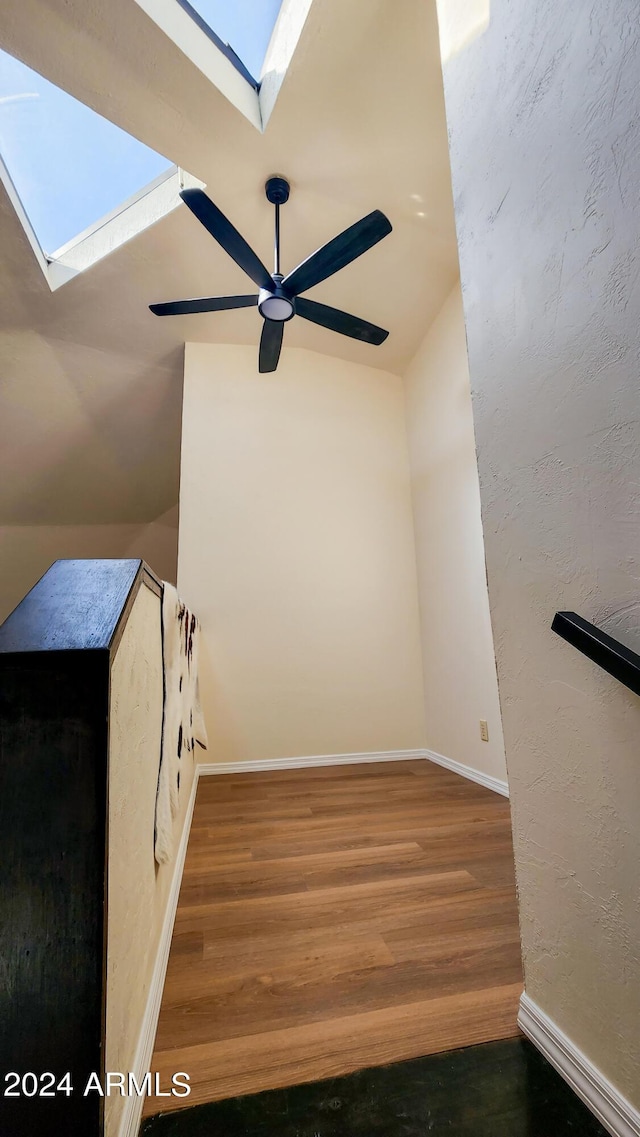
(277, 189)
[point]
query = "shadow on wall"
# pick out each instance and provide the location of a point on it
(27, 551)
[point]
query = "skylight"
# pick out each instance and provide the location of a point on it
(70, 166)
(243, 25)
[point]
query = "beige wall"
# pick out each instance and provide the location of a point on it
(296, 550)
(138, 887)
(27, 551)
(460, 684)
(543, 112)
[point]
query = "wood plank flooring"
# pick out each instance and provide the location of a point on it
(336, 918)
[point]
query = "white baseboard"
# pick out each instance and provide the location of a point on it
(349, 759)
(468, 772)
(599, 1095)
(132, 1113)
(313, 760)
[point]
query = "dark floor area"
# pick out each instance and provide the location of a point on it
(498, 1089)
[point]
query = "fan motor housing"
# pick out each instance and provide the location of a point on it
(277, 301)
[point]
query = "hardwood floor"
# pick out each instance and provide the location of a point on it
(336, 918)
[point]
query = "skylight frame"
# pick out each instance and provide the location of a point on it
(150, 204)
(160, 197)
(139, 212)
(68, 165)
(196, 40)
(203, 51)
(225, 48)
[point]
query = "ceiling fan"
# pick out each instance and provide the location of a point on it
(279, 298)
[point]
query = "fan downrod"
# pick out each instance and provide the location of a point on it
(277, 190)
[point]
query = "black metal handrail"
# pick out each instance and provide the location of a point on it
(609, 654)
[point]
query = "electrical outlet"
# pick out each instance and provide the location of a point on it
(484, 730)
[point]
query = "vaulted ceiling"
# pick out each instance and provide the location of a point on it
(90, 381)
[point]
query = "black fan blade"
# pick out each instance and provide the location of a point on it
(270, 344)
(226, 235)
(204, 304)
(338, 321)
(339, 252)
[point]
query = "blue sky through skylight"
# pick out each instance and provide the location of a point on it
(69, 165)
(246, 25)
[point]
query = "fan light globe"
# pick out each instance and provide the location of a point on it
(276, 308)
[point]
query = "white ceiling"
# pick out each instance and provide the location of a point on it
(90, 381)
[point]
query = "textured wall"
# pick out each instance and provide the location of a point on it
(138, 887)
(296, 550)
(544, 119)
(460, 685)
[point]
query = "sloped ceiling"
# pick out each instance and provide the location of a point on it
(90, 381)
